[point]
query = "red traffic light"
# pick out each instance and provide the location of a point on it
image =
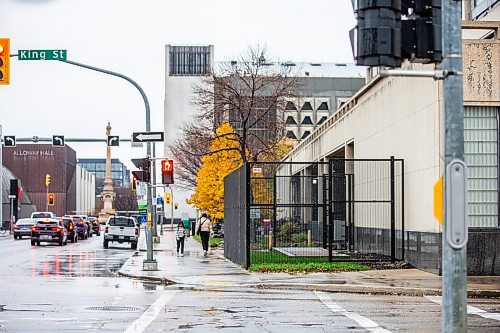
(167, 171)
(167, 166)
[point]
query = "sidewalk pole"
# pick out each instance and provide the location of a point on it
(454, 236)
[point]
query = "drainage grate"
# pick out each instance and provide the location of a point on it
(113, 308)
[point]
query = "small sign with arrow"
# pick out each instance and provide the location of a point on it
(113, 140)
(148, 137)
(58, 140)
(9, 140)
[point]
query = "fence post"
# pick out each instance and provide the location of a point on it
(274, 209)
(247, 217)
(270, 240)
(403, 234)
(330, 210)
(393, 214)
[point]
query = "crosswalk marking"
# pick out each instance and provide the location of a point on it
(141, 323)
(369, 324)
(470, 309)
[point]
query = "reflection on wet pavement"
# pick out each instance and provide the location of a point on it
(86, 263)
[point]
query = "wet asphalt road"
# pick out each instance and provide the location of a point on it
(75, 288)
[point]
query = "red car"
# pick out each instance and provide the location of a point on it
(96, 228)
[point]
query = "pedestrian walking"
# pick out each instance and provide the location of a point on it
(204, 229)
(180, 235)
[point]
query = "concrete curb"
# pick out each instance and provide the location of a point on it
(163, 281)
(342, 288)
(375, 290)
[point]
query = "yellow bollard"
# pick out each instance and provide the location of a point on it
(270, 245)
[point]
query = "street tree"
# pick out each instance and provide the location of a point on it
(250, 94)
(222, 159)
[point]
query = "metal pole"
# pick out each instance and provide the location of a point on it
(171, 208)
(156, 239)
(454, 260)
(47, 198)
(149, 263)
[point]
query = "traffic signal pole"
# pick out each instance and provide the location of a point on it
(454, 235)
(150, 263)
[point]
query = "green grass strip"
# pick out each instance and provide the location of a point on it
(295, 268)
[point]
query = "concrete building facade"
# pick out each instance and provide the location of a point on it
(85, 191)
(30, 163)
(403, 117)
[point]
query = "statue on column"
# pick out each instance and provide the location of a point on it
(108, 194)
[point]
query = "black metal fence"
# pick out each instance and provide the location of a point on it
(235, 217)
(314, 212)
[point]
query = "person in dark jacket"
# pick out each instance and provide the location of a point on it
(204, 229)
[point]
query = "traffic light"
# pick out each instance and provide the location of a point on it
(167, 171)
(145, 174)
(134, 186)
(4, 61)
(176, 205)
(168, 199)
(47, 180)
(421, 33)
(382, 37)
(51, 199)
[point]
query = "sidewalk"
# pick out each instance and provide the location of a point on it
(193, 270)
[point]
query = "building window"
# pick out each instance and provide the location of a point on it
(189, 60)
(307, 121)
(321, 120)
(291, 135)
(323, 106)
(305, 135)
(290, 121)
(307, 106)
(290, 106)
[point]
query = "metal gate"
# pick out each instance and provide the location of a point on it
(319, 211)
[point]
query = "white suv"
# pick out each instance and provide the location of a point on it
(121, 229)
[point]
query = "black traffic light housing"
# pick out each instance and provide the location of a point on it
(15, 192)
(145, 165)
(389, 31)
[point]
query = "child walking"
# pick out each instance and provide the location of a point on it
(180, 235)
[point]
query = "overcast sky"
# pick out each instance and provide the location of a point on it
(128, 36)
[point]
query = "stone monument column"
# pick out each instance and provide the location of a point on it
(108, 194)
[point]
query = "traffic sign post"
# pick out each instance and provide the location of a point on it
(58, 140)
(42, 54)
(147, 137)
(113, 140)
(9, 141)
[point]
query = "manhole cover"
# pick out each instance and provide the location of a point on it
(113, 308)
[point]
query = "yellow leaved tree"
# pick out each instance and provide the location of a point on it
(224, 157)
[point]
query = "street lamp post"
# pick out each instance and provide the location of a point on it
(150, 263)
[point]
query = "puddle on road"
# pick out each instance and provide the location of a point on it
(79, 264)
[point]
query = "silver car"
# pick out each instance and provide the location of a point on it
(23, 227)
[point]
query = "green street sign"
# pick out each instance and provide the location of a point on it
(143, 208)
(42, 54)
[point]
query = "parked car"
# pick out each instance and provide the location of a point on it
(71, 233)
(82, 229)
(121, 229)
(50, 231)
(96, 227)
(85, 219)
(23, 227)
